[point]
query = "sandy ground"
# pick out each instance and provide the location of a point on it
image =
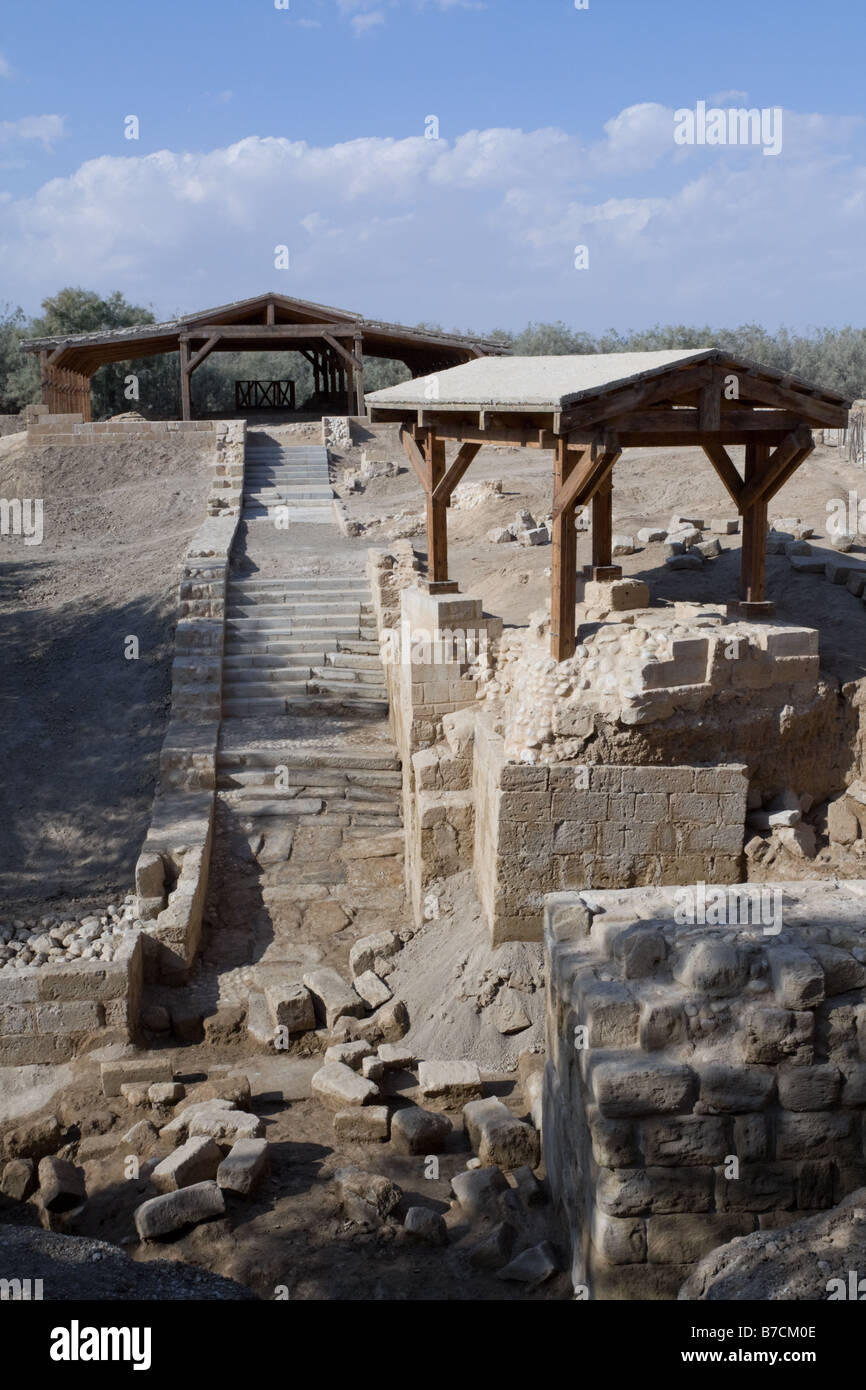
(80, 725)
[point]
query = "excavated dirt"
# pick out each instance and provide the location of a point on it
(81, 725)
(292, 1239)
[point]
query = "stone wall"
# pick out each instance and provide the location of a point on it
(171, 873)
(72, 429)
(51, 1013)
(706, 1071)
(548, 827)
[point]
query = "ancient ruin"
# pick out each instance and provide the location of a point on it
(527, 934)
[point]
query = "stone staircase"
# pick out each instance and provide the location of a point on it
(301, 645)
(292, 476)
(308, 850)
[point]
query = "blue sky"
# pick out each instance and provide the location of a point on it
(305, 127)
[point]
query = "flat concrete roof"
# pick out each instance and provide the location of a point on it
(554, 383)
(543, 383)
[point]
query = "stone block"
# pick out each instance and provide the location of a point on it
(173, 1210)
(333, 998)
(145, 1071)
(620, 1240)
(798, 980)
(362, 1125)
(339, 1087)
(195, 1161)
(683, 1239)
(809, 1087)
(451, 1083)
(625, 1087)
(290, 1005)
(244, 1167)
(685, 1139)
(645, 1191)
(758, 1187)
(417, 1131)
(61, 1184)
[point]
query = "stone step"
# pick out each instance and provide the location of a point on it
(354, 661)
(255, 690)
(345, 623)
(318, 685)
(294, 607)
(310, 705)
(321, 582)
(349, 759)
(266, 663)
(389, 783)
(360, 646)
(338, 674)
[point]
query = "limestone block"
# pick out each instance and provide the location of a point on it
(244, 1167)
(683, 1239)
(173, 1210)
(624, 1087)
(418, 1131)
(333, 998)
(339, 1087)
(798, 980)
(621, 1240)
(195, 1161)
(451, 1083)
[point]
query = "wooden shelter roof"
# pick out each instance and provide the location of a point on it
(587, 409)
(273, 321)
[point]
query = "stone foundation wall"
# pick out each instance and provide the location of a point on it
(49, 1014)
(548, 827)
(706, 1071)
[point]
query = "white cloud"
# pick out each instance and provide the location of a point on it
(45, 129)
(370, 19)
(478, 229)
(364, 15)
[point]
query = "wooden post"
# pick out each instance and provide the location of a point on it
(602, 526)
(563, 577)
(437, 513)
(359, 375)
(753, 557)
(185, 397)
(349, 374)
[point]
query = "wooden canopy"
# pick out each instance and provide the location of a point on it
(587, 409)
(333, 341)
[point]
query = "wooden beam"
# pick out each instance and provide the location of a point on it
(270, 316)
(269, 331)
(563, 574)
(185, 399)
(203, 352)
(710, 405)
(437, 511)
(583, 481)
(339, 349)
(753, 557)
(358, 344)
(415, 457)
(671, 386)
(602, 522)
(810, 409)
(724, 466)
(687, 421)
(791, 468)
(773, 466)
(442, 492)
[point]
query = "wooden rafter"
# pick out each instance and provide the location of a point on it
(724, 466)
(415, 457)
(442, 492)
(773, 466)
